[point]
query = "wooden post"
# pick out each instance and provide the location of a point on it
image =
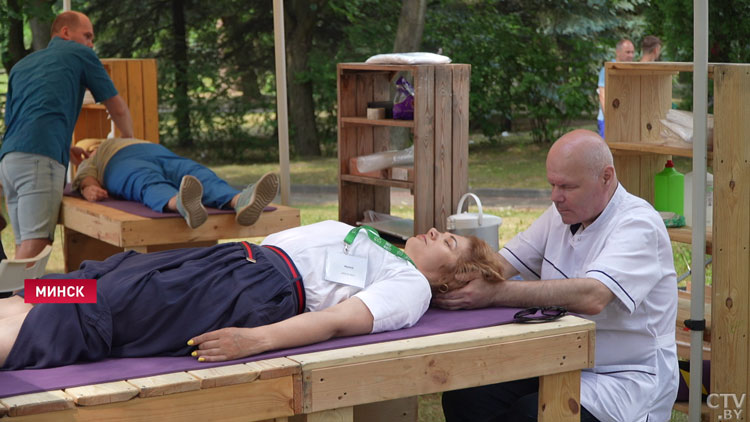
(730, 337)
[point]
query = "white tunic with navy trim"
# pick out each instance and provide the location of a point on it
(628, 249)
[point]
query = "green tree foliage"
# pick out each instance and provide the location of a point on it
(728, 32)
(534, 61)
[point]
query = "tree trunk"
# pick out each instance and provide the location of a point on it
(16, 49)
(300, 23)
(410, 26)
(41, 24)
(180, 57)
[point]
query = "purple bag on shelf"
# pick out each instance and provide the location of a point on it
(403, 104)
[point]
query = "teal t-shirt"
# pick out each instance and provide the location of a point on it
(45, 94)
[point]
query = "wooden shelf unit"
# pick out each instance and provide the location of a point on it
(136, 82)
(441, 139)
(638, 95)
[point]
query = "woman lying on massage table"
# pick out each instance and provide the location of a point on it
(238, 299)
(149, 173)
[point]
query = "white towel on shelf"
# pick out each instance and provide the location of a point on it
(408, 58)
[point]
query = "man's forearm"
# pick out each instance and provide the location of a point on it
(120, 114)
(584, 295)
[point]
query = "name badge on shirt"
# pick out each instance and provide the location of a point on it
(346, 269)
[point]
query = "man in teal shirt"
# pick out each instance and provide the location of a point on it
(45, 94)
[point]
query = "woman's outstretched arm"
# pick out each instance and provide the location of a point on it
(350, 317)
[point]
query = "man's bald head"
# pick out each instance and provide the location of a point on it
(581, 173)
(74, 26)
(586, 149)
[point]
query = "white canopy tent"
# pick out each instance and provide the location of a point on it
(281, 103)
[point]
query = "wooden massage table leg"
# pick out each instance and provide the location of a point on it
(78, 247)
(559, 397)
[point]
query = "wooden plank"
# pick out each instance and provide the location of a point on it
(622, 117)
(559, 397)
(35, 403)
(424, 143)
(109, 392)
(120, 79)
(460, 116)
(443, 148)
(377, 181)
(256, 401)
(628, 170)
(364, 382)
(225, 375)
(398, 410)
(381, 90)
(78, 247)
(353, 121)
(276, 368)
(731, 269)
(135, 98)
(365, 140)
(347, 144)
(3, 410)
(441, 342)
(656, 100)
(123, 229)
(345, 414)
(160, 385)
(150, 100)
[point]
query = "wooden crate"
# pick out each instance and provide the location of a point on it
(440, 131)
(136, 82)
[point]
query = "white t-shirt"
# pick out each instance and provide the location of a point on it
(628, 249)
(395, 292)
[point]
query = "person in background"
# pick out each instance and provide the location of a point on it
(45, 94)
(650, 48)
(624, 52)
(600, 252)
(149, 173)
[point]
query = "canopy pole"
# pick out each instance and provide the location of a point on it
(66, 5)
(281, 104)
(697, 294)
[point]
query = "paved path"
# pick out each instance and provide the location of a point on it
(519, 198)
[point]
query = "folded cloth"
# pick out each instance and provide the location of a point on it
(408, 58)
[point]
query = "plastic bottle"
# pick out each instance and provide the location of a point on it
(669, 187)
(688, 204)
(385, 159)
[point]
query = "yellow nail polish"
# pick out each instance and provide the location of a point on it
(201, 359)
(194, 353)
(191, 342)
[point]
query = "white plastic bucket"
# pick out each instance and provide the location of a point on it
(482, 226)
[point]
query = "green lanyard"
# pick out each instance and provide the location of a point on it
(375, 237)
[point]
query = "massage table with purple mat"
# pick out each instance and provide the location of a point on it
(341, 378)
(97, 230)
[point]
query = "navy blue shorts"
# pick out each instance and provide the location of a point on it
(152, 304)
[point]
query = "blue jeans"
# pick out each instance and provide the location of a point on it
(600, 125)
(151, 174)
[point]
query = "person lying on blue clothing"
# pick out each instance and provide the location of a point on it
(149, 173)
(301, 286)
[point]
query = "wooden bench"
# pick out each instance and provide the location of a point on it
(95, 231)
(344, 384)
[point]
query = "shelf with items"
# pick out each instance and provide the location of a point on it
(637, 96)
(376, 122)
(440, 133)
(685, 235)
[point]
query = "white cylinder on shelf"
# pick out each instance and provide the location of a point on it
(688, 198)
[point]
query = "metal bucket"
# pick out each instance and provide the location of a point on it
(482, 226)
